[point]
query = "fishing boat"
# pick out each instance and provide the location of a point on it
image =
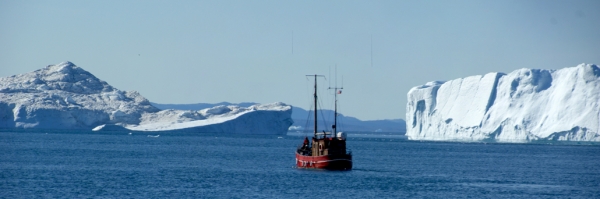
(326, 150)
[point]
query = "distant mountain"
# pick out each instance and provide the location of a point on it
(65, 96)
(303, 120)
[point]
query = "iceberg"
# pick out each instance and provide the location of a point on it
(522, 106)
(347, 123)
(64, 96)
(274, 118)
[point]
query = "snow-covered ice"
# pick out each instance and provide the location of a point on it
(64, 96)
(524, 105)
(257, 119)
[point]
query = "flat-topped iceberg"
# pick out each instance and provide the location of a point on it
(257, 119)
(524, 105)
(64, 96)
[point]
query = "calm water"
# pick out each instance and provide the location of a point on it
(84, 165)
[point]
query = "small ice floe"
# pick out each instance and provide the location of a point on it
(279, 137)
(130, 133)
(153, 136)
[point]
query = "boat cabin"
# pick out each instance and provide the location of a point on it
(323, 144)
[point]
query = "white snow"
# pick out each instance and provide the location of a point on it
(256, 119)
(295, 128)
(65, 96)
(524, 105)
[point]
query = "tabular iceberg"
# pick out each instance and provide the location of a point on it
(524, 105)
(65, 96)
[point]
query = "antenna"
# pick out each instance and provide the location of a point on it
(292, 42)
(337, 91)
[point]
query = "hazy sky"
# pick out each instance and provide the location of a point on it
(260, 51)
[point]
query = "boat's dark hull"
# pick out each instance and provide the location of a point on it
(327, 162)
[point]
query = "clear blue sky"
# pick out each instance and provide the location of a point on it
(260, 51)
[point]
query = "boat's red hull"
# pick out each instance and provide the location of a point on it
(328, 162)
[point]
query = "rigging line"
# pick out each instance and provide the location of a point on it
(310, 107)
(324, 119)
(308, 118)
(307, 94)
(324, 100)
(316, 94)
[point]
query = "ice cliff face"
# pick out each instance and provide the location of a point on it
(524, 105)
(65, 96)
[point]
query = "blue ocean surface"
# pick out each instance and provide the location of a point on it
(175, 165)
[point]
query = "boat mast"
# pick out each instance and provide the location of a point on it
(315, 96)
(337, 91)
(315, 130)
(335, 112)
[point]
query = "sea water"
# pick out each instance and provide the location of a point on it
(175, 165)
